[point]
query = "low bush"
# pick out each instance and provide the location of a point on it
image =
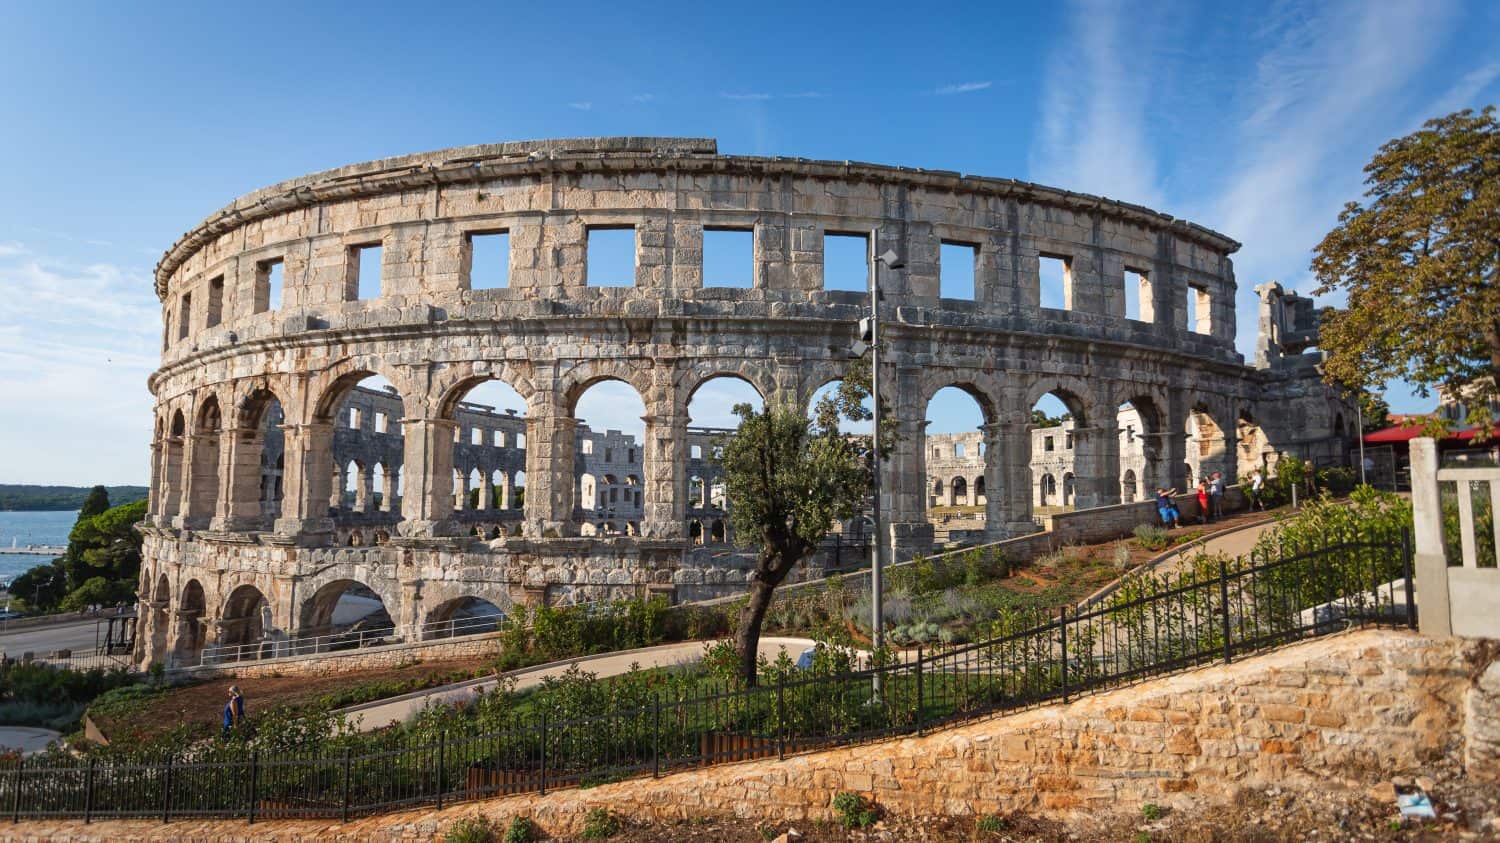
(1152, 537)
(475, 829)
(521, 830)
(599, 823)
(853, 810)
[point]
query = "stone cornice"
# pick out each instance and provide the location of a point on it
(470, 164)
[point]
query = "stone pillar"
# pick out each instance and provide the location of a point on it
(486, 490)
(201, 492)
(153, 506)
(1096, 464)
(427, 500)
(664, 511)
(340, 482)
(388, 500)
(507, 482)
(903, 488)
(1007, 476)
(550, 442)
(364, 498)
(239, 480)
(308, 467)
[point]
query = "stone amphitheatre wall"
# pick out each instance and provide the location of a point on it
(226, 560)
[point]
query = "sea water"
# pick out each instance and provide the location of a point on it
(23, 528)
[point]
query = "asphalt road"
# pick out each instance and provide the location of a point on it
(78, 637)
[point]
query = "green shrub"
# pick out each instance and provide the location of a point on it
(1152, 811)
(521, 830)
(853, 810)
(475, 829)
(599, 823)
(1152, 537)
(990, 824)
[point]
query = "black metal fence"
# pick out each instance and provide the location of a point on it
(1215, 610)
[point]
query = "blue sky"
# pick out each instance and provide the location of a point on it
(125, 125)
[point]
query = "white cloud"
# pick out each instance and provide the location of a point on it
(750, 96)
(581, 106)
(963, 88)
(1466, 92)
(11, 248)
(77, 342)
(1094, 101)
(643, 98)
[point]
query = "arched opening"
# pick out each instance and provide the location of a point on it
(1054, 417)
(610, 437)
(172, 466)
(191, 630)
(1139, 421)
(462, 616)
(936, 498)
(340, 614)
(202, 490)
(695, 531)
(711, 419)
(246, 619)
(1205, 444)
(1252, 444)
(980, 499)
(954, 452)
(588, 492)
(366, 413)
(716, 533)
(161, 604)
(256, 472)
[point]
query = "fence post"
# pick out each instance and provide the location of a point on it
(88, 794)
(345, 813)
(15, 805)
(1406, 573)
(1224, 604)
(1430, 556)
(918, 714)
(656, 736)
(166, 790)
(1063, 626)
(544, 754)
(442, 745)
(780, 718)
(254, 779)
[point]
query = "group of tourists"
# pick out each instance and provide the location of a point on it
(1210, 499)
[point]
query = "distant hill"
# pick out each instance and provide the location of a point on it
(15, 496)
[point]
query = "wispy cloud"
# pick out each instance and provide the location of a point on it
(1466, 92)
(581, 106)
(643, 98)
(744, 96)
(963, 88)
(77, 342)
(805, 95)
(1094, 103)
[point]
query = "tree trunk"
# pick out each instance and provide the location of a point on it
(747, 636)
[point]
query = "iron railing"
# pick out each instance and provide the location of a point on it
(1216, 610)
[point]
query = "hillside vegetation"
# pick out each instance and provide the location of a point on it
(21, 497)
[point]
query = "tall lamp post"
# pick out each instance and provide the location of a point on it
(877, 541)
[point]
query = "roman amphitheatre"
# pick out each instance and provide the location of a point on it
(280, 484)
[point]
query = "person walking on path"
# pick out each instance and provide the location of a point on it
(234, 710)
(1203, 504)
(1257, 489)
(1170, 517)
(1216, 495)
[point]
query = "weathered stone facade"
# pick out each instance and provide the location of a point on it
(265, 322)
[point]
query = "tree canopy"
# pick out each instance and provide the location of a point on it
(1418, 262)
(791, 478)
(101, 565)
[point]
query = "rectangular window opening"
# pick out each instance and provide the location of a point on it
(1055, 276)
(215, 313)
(588, 446)
(184, 315)
(611, 257)
(499, 440)
(354, 418)
(1198, 309)
(1137, 296)
(382, 423)
(520, 440)
(269, 276)
(956, 270)
(729, 258)
(846, 262)
(364, 281)
(489, 260)
(476, 437)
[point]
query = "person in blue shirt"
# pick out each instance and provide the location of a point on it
(1166, 508)
(234, 709)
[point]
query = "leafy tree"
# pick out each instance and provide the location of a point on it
(106, 545)
(790, 478)
(1376, 412)
(1039, 418)
(95, 503)
(1418, 262)
(41, 587)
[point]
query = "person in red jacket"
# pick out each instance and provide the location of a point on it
(1202, 501)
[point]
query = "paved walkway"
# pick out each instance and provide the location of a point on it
(30, 741)
(374, 715)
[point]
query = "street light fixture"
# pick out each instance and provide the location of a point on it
(891, 260)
